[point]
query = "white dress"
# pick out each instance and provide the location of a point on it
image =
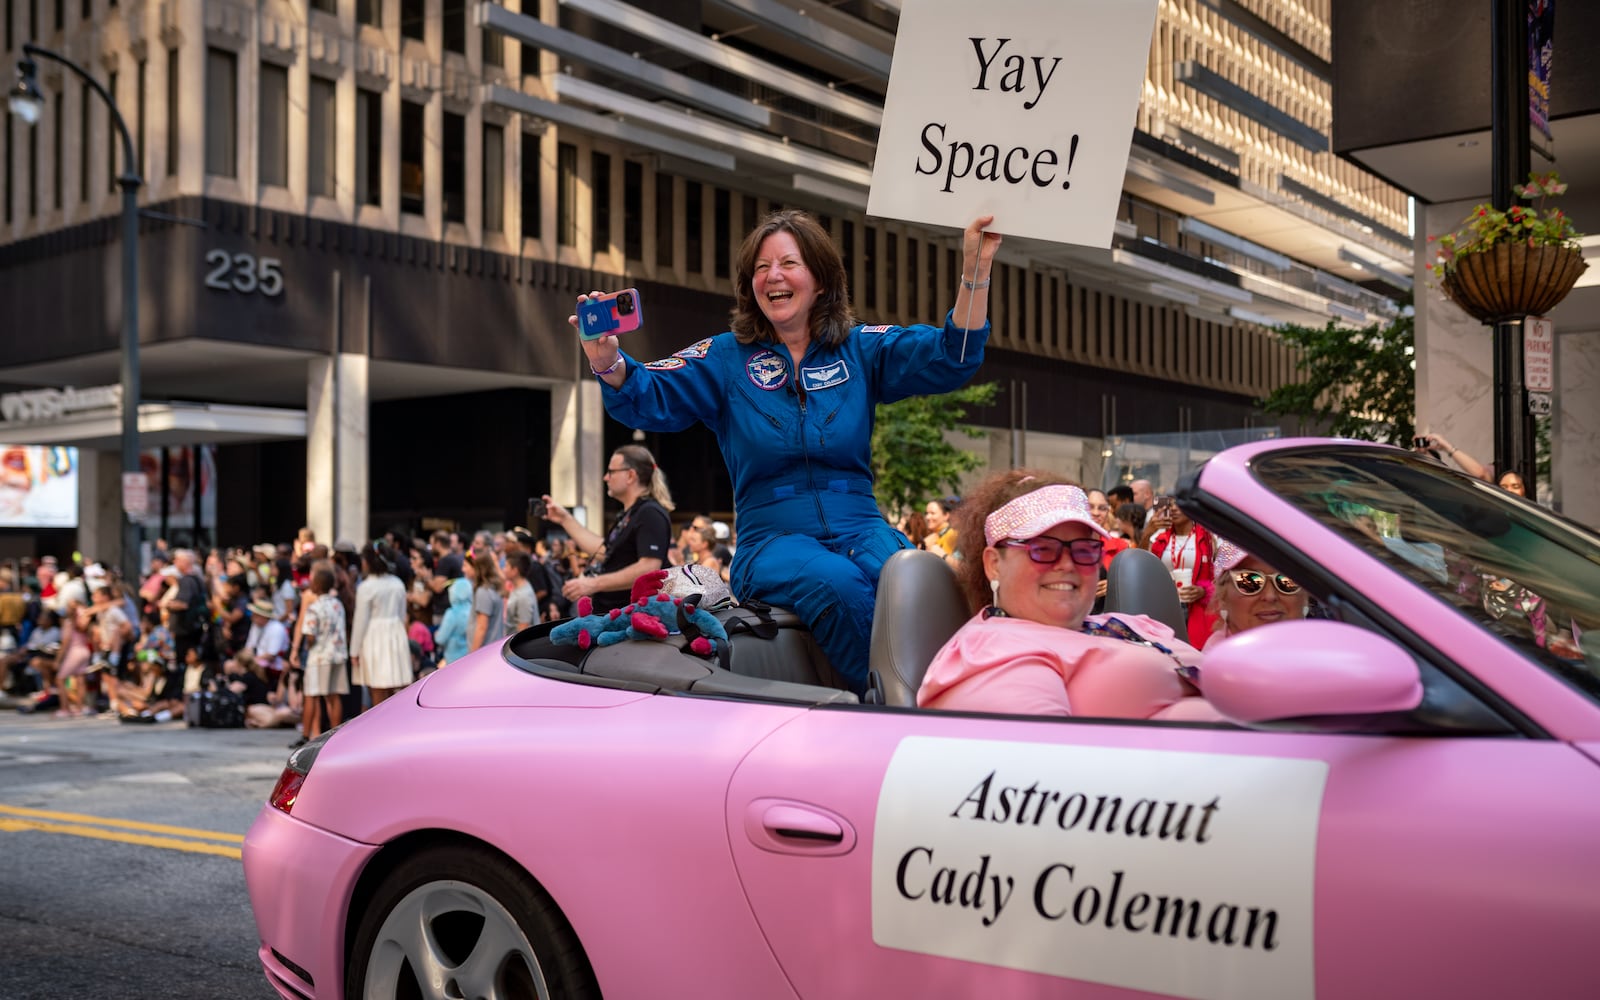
(379, 634)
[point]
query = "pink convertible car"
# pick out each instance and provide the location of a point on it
(1405, 804)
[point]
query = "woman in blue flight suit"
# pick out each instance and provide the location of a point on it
(790, 393)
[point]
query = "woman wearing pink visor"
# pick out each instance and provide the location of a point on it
(1250, 593)
(1031, 552)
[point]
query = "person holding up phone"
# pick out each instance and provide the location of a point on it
(789, 391)
(1190, 554)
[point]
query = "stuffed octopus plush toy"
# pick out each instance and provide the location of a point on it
(651, 615)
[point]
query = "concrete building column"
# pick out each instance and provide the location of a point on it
(1455, 353)
(577, 440)
(1575, 432)
(100, 506)
(337, 479)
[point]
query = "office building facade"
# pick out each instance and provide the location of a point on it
(366, 222)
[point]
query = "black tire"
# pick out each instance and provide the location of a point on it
(472, 921)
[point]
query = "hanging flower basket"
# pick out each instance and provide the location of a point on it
(1512, 280)
(1508, 264)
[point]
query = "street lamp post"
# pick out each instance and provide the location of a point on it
(27, 103)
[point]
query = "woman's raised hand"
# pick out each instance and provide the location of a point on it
(978, 247)
(603, 353)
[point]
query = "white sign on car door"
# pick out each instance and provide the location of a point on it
(1185, 874)
(1015, 108)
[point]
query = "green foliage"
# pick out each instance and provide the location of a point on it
(1487, 226)
(1355, 383)
(911, 459)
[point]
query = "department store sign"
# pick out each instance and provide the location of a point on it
(1012, 108)
(37, 406)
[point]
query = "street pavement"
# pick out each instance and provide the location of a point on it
(119, 869)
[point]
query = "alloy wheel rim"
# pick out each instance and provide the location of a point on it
(450, 940)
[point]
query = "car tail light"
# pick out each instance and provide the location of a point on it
(287, 790)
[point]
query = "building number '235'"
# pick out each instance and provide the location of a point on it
(244, 272)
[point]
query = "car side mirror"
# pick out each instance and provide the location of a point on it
(1320, 675)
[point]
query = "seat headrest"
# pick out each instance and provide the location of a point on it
(919, 608)
(1139, 583)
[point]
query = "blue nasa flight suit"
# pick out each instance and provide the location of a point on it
(798, 448)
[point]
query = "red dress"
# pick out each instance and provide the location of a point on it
(1201, 620)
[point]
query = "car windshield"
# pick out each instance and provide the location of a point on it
(1518, 571)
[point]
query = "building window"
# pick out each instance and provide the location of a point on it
(10, 138)
(747, 205)
(494, 48)
(322, 138)
(111, 135)
(530, 59)
(55, 151)
(369, 147)
(665, 226)
(273, 129)
(10, 13)
(693, 231)
(891, 264)
(369, 12)
(722, 242)
(33, 172)
(532, 164)
(455, 167)
(413, 14)
(138, 138)
(84, 93)
(61, 14)
(411, 178)
(172, 112)
(326, 6)
(869, 268)
(453, 23)
(913, 291)
(494, 179)
(633, 210)
(847, 250)
(222, 82)
(566, 194)
(86, 9)
(600, 201)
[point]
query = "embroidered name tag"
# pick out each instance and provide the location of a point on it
(767, 371)
(824, 376)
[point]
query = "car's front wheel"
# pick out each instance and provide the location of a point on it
(462, 923)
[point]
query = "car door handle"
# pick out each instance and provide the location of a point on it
(798, 823)
(784, 826)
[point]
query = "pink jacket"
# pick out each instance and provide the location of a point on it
(1022, 667)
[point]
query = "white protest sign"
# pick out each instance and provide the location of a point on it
(1012, 108)
(1189, 874)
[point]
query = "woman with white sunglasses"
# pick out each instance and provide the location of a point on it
(1250, 593)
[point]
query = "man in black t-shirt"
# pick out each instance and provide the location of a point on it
(447, 567)
(188, 611)
(638, 542)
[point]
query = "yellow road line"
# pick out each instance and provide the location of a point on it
(125, 824)
(96, 833)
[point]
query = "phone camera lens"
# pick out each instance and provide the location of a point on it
(624, 305)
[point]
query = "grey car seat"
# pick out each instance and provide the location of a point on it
(919, 608)
(1139, 583)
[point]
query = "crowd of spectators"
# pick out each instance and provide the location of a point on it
(298, 634)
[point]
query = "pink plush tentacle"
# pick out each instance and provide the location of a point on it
(585, 606)
(702, 646)
(649, 625)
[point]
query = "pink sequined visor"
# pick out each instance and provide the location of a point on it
(1032, 514)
